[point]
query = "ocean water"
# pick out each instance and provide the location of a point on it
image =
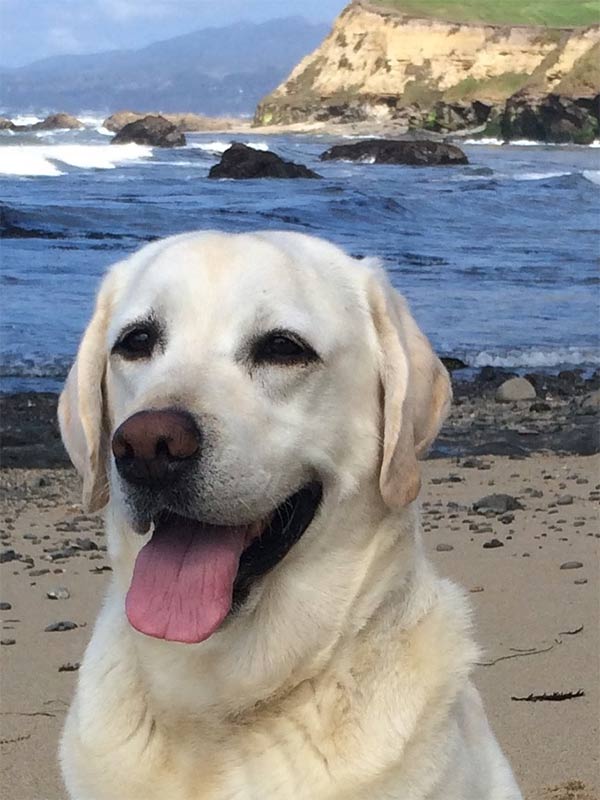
(499, 259)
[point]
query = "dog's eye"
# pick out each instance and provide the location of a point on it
(137, 342)
(281, 347)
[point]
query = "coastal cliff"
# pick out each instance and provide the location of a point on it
(382, 65)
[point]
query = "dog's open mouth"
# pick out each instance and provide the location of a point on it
(190, 575)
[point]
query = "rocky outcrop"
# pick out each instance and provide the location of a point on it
(382, 66)
(6, 124)
(187, 123)
(155, 131)
(389, 151)
(242, 162)
(54, 122)
(551, 118)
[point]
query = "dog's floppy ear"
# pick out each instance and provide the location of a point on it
(416, 393)
(81, 408)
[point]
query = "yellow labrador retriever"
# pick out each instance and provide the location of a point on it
(251, 408)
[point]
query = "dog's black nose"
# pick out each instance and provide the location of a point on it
(153, 448)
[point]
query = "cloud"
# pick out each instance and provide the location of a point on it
(126, 10)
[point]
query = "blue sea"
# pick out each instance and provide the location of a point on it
(499, 258)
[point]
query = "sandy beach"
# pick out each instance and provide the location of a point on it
(531, 572)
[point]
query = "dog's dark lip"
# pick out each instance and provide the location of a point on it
(268, 541)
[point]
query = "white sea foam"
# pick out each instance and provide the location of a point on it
(45, 160)
(104, 131)
(539, 176)
(536, 358)
(219, 146)
(592, 175)
(490, 141)
(25, 119)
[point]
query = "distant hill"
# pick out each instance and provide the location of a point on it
(551, 13)
(212, 71)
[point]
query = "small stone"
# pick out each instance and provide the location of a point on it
(8, 555)
(5, 606)
(476, 589)
(564, 500)
(444, 548)
(36, 573)
(515, 389)
(60, 593)
(571, 565)
(8, 641)
(580, 581)
(492, 543)
(69, 666)
(497, 503)
(64, 625)
(506, 519)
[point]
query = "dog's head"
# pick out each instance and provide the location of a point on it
(231, 392)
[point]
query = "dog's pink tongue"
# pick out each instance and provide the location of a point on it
(183, 578)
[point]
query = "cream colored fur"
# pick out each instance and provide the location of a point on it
(346, 674)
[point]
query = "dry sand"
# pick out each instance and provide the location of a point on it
(537, 622)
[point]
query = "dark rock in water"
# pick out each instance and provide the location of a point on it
(6, 124)
(242, 162)
(155, 131)
(551, 118)
(497, 503)
(63, 625)
(453, 364)
(395, 151)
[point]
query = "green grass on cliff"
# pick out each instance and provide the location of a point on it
(553, 13)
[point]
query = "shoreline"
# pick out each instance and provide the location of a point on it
(562, 418)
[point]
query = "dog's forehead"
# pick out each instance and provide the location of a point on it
(238, 276)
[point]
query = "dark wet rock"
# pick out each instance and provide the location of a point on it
(492, 544)
(396, 151)
(514, 390)
(453, 364)
(152, 130)
(571, 565)
(5, 606)
(497, 503)
(60, 593)
(6, 124)
(63, 625)
(551, 118)
(241, 162)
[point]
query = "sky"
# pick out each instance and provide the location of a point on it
(34, 29)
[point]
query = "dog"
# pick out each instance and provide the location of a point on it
(250, 409)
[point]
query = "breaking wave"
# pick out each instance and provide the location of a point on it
(49, 161)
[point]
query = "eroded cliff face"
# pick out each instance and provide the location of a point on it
(383, 65)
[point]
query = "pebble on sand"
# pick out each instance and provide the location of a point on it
(515, 389)
(60, 593)
(571, 565)
(63, 625)
(444, 548)
(492, 543)
(5, 606)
